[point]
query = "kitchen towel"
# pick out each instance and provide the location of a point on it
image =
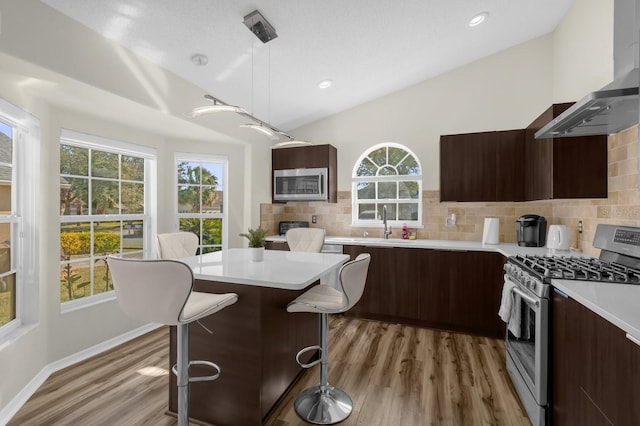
(509, 310)
(491, 230)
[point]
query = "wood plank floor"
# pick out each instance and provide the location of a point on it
(396, 375)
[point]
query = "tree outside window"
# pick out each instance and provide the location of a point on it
(102, 212)
(200, 195)
(8, 291)
(387, 175)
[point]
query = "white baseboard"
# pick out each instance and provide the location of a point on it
(23, 396)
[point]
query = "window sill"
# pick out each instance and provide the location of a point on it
(87, 302)
(394, 225)
(16, 334)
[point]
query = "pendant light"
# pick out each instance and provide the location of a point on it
(217, 106)
(263, 128)
(265, 32)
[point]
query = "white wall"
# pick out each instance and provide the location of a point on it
(583, 50)
(69, 77)
(504, 91)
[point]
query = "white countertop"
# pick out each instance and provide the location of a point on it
(505, 249)
(279, 269)
(617, 303)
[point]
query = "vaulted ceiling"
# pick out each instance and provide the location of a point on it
(367, 48)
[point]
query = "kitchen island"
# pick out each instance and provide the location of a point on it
(255, 340)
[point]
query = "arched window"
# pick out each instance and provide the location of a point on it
(387, 174)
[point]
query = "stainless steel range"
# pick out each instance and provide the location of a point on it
(525, 306)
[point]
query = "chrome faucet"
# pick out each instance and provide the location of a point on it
(387, 229)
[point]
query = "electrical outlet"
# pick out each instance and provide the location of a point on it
(579, 227)
(314, 219)
(451, 220)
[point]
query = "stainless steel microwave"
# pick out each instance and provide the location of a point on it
(300, 185)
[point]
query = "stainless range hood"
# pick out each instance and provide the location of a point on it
(616, 106)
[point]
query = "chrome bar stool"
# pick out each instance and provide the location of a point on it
(161, 291)
(324, 404)
(174, 245)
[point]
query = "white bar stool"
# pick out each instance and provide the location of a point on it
(305, 239)
(175, 245)
(324, 404)
(161, 291)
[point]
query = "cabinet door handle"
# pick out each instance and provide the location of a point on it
(633, 339)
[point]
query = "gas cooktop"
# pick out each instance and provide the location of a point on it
(619, 260)
(577, 268)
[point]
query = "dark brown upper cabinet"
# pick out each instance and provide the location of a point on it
(309, 157)
(569, 167)
(484, 166)
(514, 166)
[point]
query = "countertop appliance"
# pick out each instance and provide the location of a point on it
(528, 282)
(285, 225)
(531, 230)
(558, 238)
(300, 184)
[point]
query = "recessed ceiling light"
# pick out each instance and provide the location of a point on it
(199, 59)
(324, 84)
(478, 19)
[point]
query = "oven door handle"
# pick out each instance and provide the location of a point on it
(525, 296)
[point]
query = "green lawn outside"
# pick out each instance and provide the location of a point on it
(84, 273)
(5, 307)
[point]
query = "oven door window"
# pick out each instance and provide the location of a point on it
(528, 350)
(524, 347)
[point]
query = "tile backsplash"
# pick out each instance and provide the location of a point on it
(622, 207)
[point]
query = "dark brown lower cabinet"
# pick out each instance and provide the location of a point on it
(451, 290)
(461, 290)
(393, 281)
(595, 368)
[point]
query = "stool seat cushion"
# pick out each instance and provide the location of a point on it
(319, 299)
(199, 305)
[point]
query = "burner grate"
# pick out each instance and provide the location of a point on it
(582, 269)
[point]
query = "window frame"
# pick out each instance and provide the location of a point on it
(149, 216)
(355, 180)
(24, 218)
(190, 157)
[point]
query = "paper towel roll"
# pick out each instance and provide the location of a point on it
(491, 230)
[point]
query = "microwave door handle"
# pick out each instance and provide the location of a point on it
(525, 296)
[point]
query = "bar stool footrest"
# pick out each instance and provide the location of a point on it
(304, 351)
(323, 405)
(212, 377)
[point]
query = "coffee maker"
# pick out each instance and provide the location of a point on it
(531, 230)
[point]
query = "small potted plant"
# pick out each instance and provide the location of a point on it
(256, 242)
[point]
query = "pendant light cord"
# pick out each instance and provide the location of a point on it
(252, 71)
(269, 86)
